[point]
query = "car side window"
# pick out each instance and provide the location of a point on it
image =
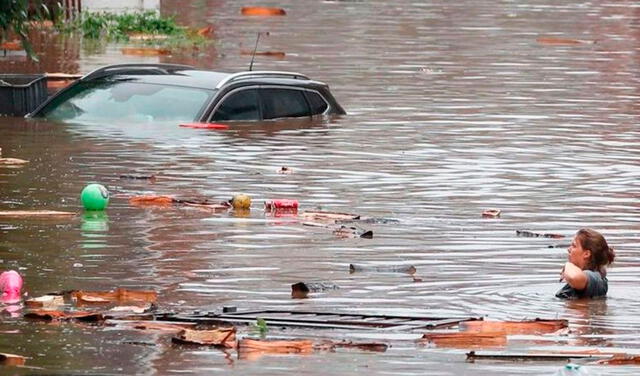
(281, 103)
(241, 105)
(317, 103)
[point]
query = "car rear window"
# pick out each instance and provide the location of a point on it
(281, 103)
(317, 103)
(241, 105)
(110, 100)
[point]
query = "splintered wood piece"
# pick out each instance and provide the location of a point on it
(276, 54)
(409, 269)
(12, 161)
(151, 200)
(466, 339)
(620, 359)
(303, 346)
(132, 309)
(151, 325)
(53, 315)
(491, 213)
(536, 326)
(367, 346)
(225, 337)
(117, 295)
(45, 301)
(325, 216)
(534, 356)
(555, 41)
(262, 11)
(34, 213)
(11, 359)
(530, 234)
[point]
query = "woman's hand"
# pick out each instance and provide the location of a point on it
(574, 276)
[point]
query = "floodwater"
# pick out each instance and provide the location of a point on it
(453, 108)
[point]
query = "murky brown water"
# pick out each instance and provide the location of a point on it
(454, 107)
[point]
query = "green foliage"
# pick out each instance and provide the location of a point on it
(261, 327)
(118, 27)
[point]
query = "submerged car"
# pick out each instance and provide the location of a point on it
(179, 93)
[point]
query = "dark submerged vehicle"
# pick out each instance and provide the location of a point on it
(179, 93)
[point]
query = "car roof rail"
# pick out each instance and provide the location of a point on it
(258, 74)
(131, 68)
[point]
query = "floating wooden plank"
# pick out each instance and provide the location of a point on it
(118, 295)
(491, 213)
(537, 326)
(465, 339)
(12, 359)
(409, 269)
(556, 41)
(329, 345)
(46, 301)
(54, 315)
(294, 346)
(12, 161)
(223, 337)
(274, 54)
(333, 320)
(530, 234)
(325, 216)
(475, 355)
(34, 213)
(620, 359)
(152, 325)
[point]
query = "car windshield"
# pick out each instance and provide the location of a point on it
(122, 99)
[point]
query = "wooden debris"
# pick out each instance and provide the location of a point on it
(12, 161)
(46, 301)
(491, 213)
(151, 200)
(475, 355)
(275, 54)
(466, 339)
(352, 232)
(302, 289)
(34, 213)
(620, 359)
(537, 326)
(11, 359)
(151, 178)
(132, 309)
(152, 325)
(118, 295)
(529, 234)
(330, 217)
(145, 51)
(262, 11)
(224, 337)
(366, 346)
(53, 315)
(409, 269)
(555, 41)
(296, 346)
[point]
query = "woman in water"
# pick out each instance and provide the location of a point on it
(586, 269)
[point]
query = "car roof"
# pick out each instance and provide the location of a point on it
(184, 75)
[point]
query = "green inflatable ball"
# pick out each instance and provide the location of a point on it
(94, 197)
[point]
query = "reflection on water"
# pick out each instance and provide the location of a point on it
(454, 108)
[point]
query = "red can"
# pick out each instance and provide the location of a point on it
(280, 204)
